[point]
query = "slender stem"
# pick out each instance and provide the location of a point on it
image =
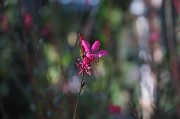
(77, 102)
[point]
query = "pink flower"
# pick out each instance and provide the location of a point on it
(176, 4)
(114, 108)
(27, 20)
(93, 53)
(84, 65)
(82, 47)
(89, 55)
(154, 36)
(4, 23)
(46, 32)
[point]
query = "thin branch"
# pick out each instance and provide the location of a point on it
(77, 102)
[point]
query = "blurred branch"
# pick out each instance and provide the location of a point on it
(170, 38)
(1, 5)
(91, 20)
(29, 59)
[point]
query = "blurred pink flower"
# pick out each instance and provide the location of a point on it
(176, 4)
(46, 31)
(4, 23)
(114, 108)
(154, 36)
(27, 20)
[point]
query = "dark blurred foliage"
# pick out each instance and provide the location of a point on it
(39, 49)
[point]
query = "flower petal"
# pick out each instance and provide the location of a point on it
(88, 55)
(86, 45)
(95, 46)
(100, 53)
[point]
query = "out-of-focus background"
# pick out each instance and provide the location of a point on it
(139, 78)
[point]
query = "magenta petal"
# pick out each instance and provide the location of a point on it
(100, 53)
(86, 45)
(88, 55)
(95, 46)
